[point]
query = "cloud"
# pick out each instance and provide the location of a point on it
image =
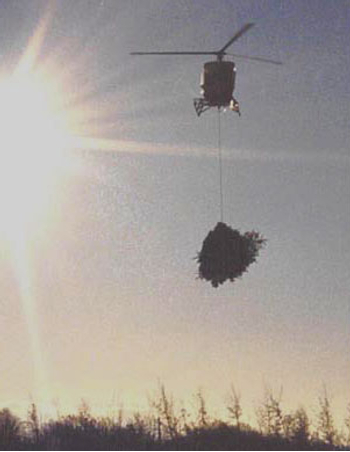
(185, 150)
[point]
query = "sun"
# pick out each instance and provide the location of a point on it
(33, 142)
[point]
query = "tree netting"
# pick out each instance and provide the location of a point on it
(226, 254)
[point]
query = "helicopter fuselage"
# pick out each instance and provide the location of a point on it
(217, 85)
(218, 82)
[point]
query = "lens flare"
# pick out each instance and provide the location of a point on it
(33, 143)
(33, 149)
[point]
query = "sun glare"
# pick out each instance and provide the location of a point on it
(32, 145)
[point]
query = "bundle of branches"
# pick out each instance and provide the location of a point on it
(226, 254)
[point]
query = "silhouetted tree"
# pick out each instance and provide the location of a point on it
(234, 407)
(269, 414)
(84, 410)
(120, 416)
(184, 421)
(164, 407)
(33, 423)
(347, 425)
(301, 427)
(202, 414)
(11, 429)
(326, 429)
(288, 421)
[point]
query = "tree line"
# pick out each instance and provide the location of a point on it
(168, 427)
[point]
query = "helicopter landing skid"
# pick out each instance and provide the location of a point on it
(201, 105)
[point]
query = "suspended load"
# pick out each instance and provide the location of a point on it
(226, 254)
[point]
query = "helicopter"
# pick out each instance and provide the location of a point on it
(218, 77)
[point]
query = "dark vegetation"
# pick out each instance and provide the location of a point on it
(226, 254)
(165, 428)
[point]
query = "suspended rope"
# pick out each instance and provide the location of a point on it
(220, 169)
(226, 253)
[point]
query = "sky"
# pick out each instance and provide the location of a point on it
(110, 184)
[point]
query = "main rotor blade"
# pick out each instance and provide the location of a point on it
(174, 53)
(244, 29)
(263, 60)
